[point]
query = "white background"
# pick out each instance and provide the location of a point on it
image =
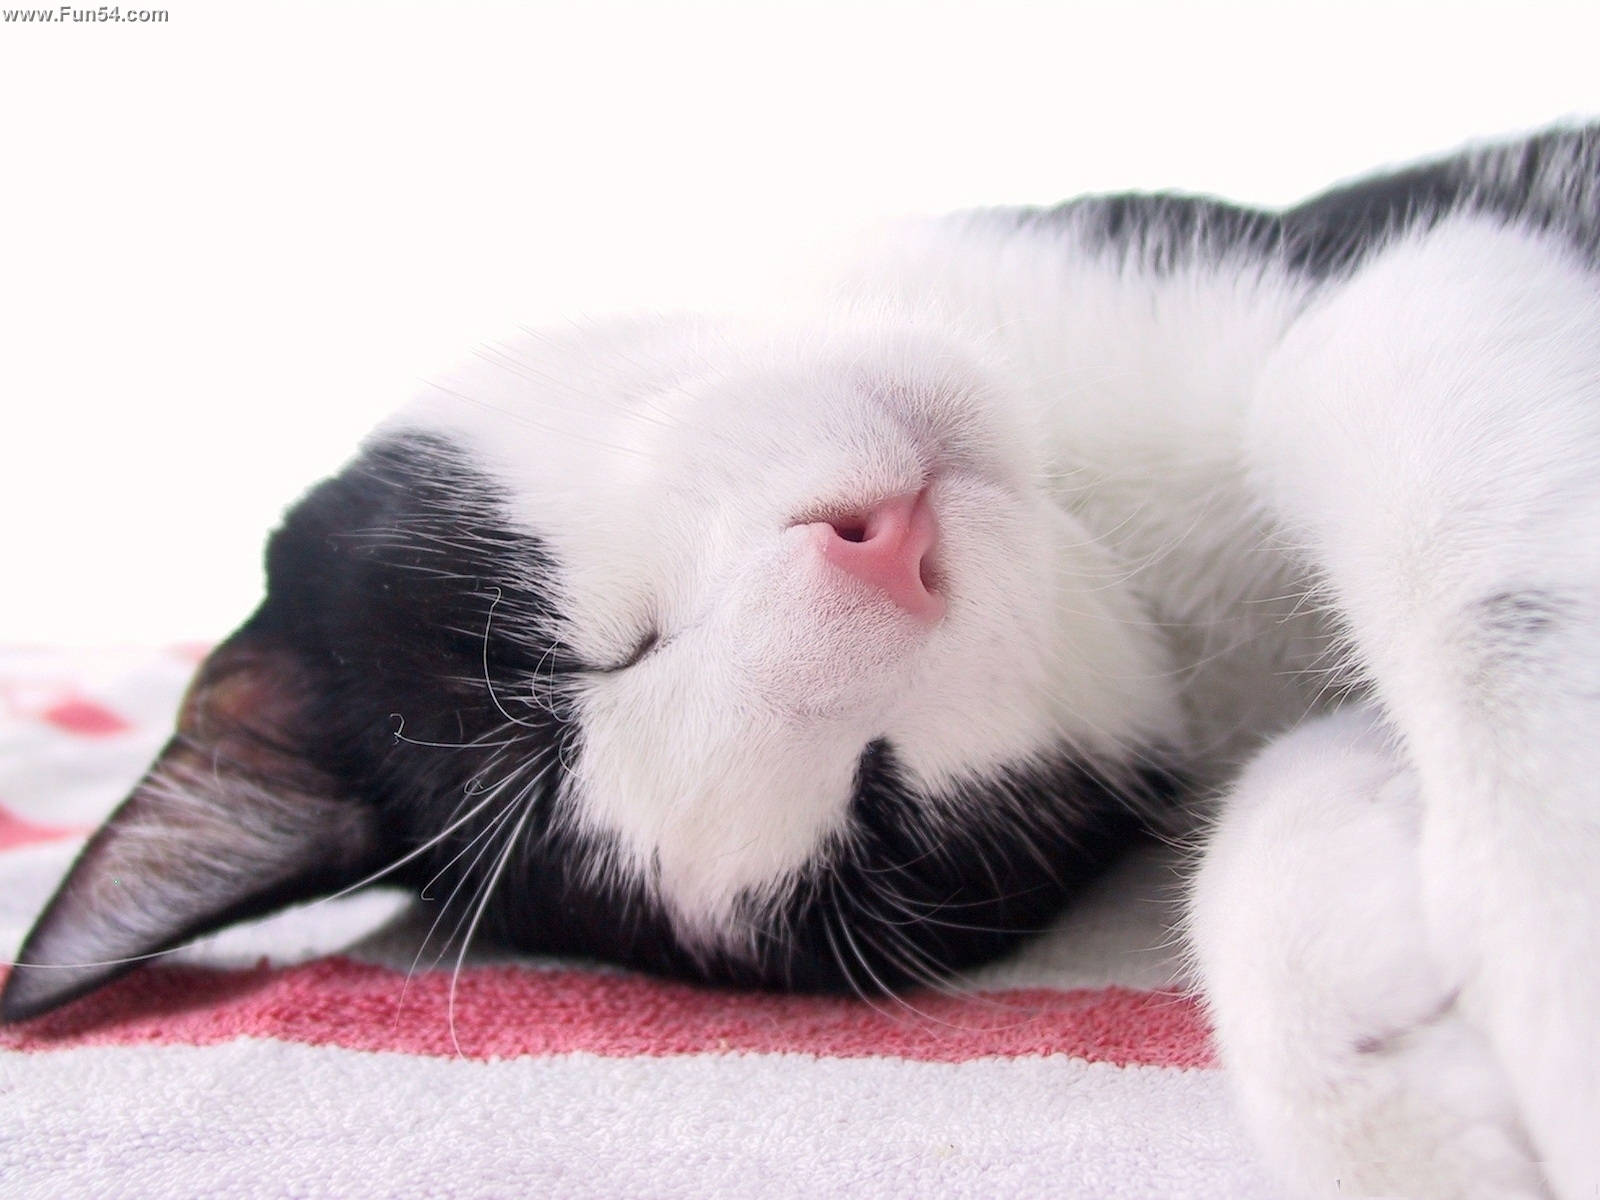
(230, 242)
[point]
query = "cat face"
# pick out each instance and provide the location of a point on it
(760, 655)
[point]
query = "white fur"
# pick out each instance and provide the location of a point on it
(1431, 434)
(1177, 509)
(1351, 1056)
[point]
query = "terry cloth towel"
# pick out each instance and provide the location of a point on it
(313, 1054)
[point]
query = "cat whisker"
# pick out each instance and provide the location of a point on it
(935, 979)
(459, 854)
(921, 971)
(488, 681)
(828, 922)
(485, 836)
(528, 799)
(924, 912)
(400, 736)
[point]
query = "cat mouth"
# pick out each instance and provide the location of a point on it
(890, 547)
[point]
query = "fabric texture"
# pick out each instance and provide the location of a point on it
(317, 1053)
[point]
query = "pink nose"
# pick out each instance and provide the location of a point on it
(888, 547)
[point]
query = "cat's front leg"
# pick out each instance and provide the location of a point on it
(1430, 436)
(1351, 1062)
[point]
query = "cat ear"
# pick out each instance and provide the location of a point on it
(231, 821)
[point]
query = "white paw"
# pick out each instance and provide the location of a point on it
(1351, 1061)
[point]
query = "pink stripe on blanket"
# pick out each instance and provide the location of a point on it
(14, 831)
(504, 1012)
(84, 717)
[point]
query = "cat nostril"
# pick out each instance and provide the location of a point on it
(889, 547)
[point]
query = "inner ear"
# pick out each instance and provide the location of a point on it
(235, 818)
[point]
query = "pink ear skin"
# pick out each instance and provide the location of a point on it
(229, 822)
(889, 547)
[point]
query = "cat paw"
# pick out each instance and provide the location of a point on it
(1352, 1062)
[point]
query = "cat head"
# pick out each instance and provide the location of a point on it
(758, 654)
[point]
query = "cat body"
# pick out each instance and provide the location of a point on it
(835, 644)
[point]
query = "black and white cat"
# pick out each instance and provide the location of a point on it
(835, 648)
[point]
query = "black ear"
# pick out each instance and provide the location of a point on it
(231, 821)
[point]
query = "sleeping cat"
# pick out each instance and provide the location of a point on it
(836, 644)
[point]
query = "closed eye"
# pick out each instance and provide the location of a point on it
(646, 644)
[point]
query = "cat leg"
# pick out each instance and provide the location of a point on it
(1430, 435)
(1352, 1065)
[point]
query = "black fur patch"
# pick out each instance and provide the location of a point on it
(1548, 182)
